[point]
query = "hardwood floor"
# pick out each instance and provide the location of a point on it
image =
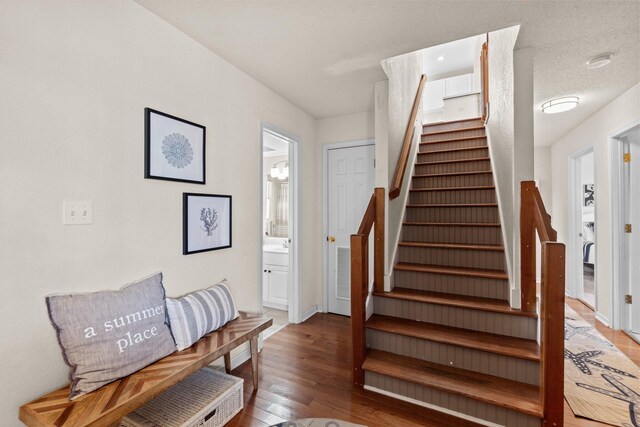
(304, 372)
(617, 338)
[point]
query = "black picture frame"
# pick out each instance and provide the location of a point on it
(199, 215)
(174, 148)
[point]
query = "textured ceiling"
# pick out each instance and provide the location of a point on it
(324, 56)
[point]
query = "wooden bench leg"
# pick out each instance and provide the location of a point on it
(254, 360)
(227, 362)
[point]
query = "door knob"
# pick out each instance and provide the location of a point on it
(331, 239)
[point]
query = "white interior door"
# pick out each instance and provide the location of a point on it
(632, 212)
(350, 180)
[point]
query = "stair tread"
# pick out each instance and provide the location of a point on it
(450, 205)
(452, 121)
(453, 224)
(497, 391)
(450, 150)
(475, 187)
(455, 271)
(461, 138)
(440, 162)
(452, 174)
(492, 343)
(462, 301)
(495, 248)
(437, 132)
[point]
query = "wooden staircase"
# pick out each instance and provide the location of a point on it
(445, 335)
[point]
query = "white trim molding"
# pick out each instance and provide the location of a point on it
(618, 264)
(325, 213)
(295, 246)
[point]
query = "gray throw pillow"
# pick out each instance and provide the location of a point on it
(107, 335)
(198, 313)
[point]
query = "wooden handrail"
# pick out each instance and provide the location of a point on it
(535, 219)
(403, 159)
(484, 70)
(373, 218)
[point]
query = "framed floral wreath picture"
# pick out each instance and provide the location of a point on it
(174, 148)
(206, 222)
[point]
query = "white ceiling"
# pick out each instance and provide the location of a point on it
(324, 56)
(458, 55)
(273, 146)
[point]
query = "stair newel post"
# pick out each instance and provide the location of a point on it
(552, 340)
(527, 248)
(378, 246)
(359, 289)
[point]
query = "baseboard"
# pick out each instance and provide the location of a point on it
(313, 310)
(432, 407)
(603, 319)
(275, 305)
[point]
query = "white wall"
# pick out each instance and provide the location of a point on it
(75, 77)
(542, 173)
(404, 73)
(510, 137)
(594, 131)
(350, 127)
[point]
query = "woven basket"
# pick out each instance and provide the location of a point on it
(208, 398)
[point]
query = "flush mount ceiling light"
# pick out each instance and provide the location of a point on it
(440, 58)
(560, 105)
(280, 172)
(600, 60)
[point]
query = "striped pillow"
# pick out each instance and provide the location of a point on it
(198, 313)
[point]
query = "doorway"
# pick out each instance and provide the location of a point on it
(349, 180)
(583, 253)
(279, 269)
(625, 153)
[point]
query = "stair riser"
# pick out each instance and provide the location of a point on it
(492, 260)
(452, 234)
(458, 196)
(476, 142)
(451, 401)
(465, 318)
(448, 126)
(480, 165)
(452, 181)
(427, 137)
(447, 283)
(454, 155)
(453, 214)
(507, 367)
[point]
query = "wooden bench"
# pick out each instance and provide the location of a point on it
(107, 405)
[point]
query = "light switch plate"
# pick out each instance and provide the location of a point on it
(77, 212)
